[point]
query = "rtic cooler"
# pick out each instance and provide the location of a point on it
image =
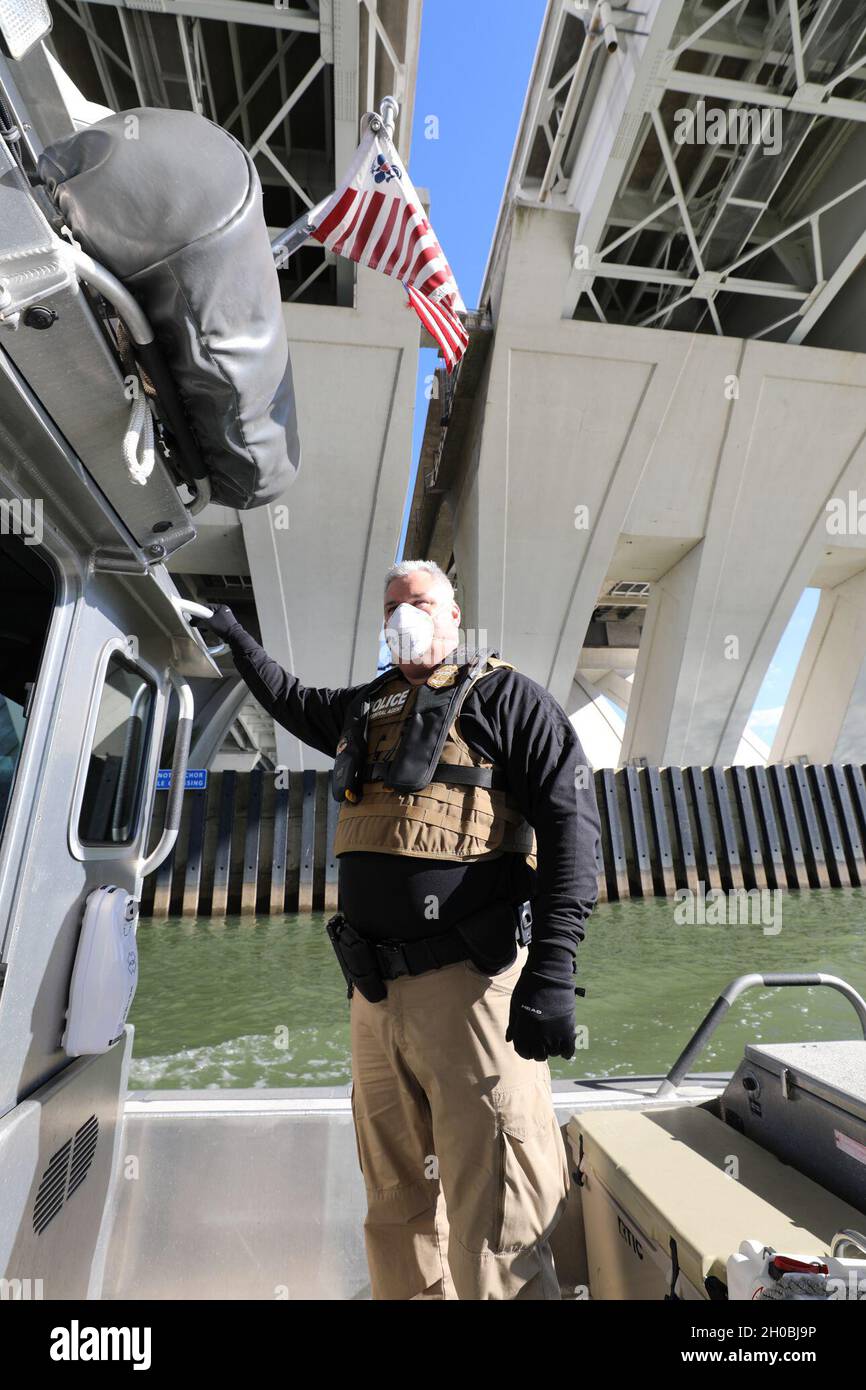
(662, 1213)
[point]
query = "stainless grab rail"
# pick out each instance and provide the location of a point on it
(841, 1241)
(185, 606)
(711, 1021)
(140, 331)
(182, 741)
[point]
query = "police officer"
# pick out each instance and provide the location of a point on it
(465, 805)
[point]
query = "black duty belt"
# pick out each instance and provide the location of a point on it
(398, 958)
(367, 963)
(446, 772)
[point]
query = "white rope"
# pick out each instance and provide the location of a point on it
(139, 440)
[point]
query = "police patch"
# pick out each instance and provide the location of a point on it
(388, 704)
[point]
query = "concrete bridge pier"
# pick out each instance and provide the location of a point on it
(825, 712)
(316, 560)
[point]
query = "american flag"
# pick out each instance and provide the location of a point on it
(442, 323)
(375, 218)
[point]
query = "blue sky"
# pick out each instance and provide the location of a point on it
(472, 76)
(771, 697)
(475, 62)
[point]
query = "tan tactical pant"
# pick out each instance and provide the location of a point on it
(447, 1114)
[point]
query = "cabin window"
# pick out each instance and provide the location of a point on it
(115, 776)
(28, 598)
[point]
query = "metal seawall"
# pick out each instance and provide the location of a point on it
(261, 842)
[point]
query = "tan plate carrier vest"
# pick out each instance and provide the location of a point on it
(439, 821)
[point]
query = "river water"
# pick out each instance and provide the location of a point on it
(243, 1002)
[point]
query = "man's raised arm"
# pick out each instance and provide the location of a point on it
(316, 716)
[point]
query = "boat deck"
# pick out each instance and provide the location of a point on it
(257, 1194)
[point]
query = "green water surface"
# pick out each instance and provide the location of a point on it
(243, 1002)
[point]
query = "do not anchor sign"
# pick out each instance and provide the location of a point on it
(196, 779)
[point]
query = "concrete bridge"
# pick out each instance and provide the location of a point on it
(666, 385)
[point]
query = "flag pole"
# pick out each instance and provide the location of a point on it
(292, 239)
(389, 110)
(286, 243)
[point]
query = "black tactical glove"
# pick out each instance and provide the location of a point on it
(222, 621)
(541, 1022)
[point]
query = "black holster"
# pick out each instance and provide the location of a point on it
(357, 959)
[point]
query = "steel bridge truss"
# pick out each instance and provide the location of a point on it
(283, 78)
(740, 234)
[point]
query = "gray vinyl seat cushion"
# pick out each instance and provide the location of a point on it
(172, 205)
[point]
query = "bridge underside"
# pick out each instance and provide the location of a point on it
(656, 440)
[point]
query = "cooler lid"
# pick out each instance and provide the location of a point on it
(833, 1071)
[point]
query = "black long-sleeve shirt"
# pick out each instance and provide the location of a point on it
(516, 724)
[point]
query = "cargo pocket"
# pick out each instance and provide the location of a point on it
(531, 1169)
(355, 1128)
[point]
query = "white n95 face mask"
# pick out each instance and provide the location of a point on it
(409, 634)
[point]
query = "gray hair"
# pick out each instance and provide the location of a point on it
(407, 567)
